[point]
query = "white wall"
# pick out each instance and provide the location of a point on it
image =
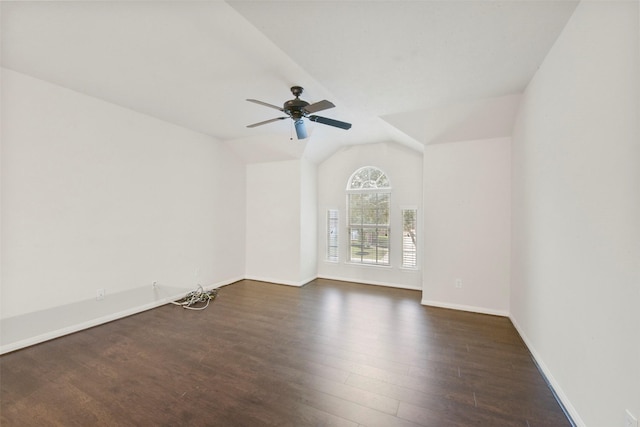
(467, 225)
(404, 169)
(308, 221)
(98, 196)
(280, 225)
(576, 214)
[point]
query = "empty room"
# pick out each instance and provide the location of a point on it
(320, 213)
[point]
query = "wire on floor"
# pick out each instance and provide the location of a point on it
(199, 296)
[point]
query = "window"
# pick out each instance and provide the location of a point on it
(409, 238)
(332, 235)
(368, 193)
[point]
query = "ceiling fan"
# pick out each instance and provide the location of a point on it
(297, 109)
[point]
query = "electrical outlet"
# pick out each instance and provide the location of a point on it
(459, 283)
(100, 294)
(630, 420)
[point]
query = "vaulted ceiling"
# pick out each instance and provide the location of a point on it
(411, 72)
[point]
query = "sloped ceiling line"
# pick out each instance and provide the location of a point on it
(393, 69)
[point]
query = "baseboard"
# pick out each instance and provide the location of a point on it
(471, 308)
(561, 397)
(33, 328)
(280, 281)
(370, 282)
(36, 327)
(223, 283)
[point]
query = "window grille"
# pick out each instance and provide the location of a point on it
(368, 194)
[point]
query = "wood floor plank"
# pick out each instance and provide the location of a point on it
(327, 354)
(434, 399)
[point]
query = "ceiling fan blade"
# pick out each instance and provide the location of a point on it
(266, 121)
(255, 101)
(330, 122)
(301, 130)
(318, 106)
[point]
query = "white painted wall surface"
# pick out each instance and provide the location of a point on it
(576, 214)
(404, 169)
(98, 196)
(467, 225)
(308, 221)
(274, 221)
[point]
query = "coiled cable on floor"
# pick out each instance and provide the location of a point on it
(195, 297)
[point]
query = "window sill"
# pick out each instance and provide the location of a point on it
(358, 264)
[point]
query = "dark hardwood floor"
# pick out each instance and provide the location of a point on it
(328, 354)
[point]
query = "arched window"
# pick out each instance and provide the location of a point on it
(368, 194)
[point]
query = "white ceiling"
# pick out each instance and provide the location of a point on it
(413, 72)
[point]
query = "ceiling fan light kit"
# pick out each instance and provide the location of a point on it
(298, 109)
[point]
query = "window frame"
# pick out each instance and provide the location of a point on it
(403, 256)
(333, 235)
(369, 181)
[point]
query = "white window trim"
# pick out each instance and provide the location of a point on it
(386, 189)
(328, 238)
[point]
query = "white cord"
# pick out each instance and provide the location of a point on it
(197, 296)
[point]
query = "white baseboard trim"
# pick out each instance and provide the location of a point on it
(562, 398)
(33, 328)
(309, 280)
(223, 283)
(36, 327)
(279, 281)
(371, 282)
(471, 308)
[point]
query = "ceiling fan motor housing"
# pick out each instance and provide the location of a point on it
(294, 108)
